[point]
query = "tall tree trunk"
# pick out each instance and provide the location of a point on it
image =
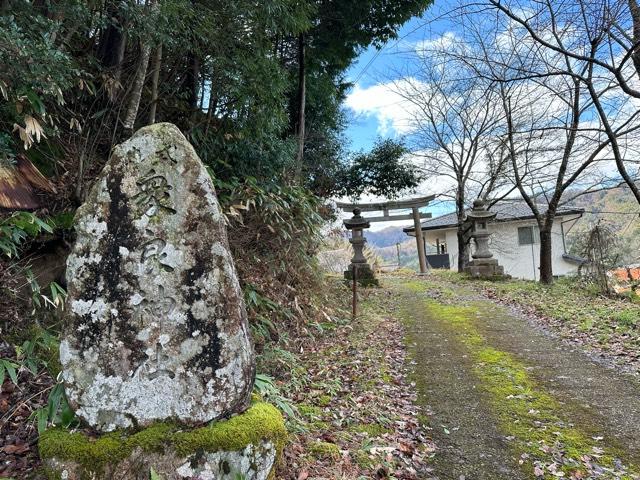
(463, 254)
(301, 104)
(192, 82)
(546, 263)
(157, 64)
(122, 46)
(138, 84)
(113, 38)
(463, 251)
(140, 77)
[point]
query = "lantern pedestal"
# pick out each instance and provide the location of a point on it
(484, 268)
(483, 264)
(364, 273)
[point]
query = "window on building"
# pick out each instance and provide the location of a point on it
(441, 246)
(528, 235)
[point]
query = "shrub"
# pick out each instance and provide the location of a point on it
(274, 232)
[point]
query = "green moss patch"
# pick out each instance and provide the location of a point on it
(364, 459)
(610, 322)
(309, 411)
(262, 421)
(371, 429)
(324, 450)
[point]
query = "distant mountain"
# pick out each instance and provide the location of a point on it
(408, 254)
(386, 237)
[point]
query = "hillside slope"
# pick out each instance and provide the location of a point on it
(616, 210)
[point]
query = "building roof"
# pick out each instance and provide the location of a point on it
(508, 210)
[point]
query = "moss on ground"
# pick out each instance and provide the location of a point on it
(262, 421)
(363, 459)
(324, 450)
(309, 411)
(524, 409)
(319, 426)
(566, 300)
(371, 429)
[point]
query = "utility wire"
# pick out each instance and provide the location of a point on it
(613, 213)
(370, 62)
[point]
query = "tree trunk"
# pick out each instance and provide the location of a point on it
(138, 84)
(463, 251)
(301, 103)
(192, 81)
(635, 16)
(463, 254)
(110, 47)
(122, 46)
(157, 64)
(546, 264)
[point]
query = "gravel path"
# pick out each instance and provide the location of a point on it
(482, 434)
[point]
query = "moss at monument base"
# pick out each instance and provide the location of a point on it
(365, 276)
(245, 446)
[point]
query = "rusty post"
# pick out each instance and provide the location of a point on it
(354, 301)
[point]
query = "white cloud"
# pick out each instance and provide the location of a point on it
(382, 101)
(440, 43)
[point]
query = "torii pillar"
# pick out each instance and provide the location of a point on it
(414, 204)
(422, 255)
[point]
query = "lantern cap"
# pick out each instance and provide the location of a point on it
(357, 221)
(479, 211)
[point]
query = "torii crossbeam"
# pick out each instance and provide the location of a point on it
(414, 204)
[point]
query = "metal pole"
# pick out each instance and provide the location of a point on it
(354, 301)
(422, 256)
(398, 252)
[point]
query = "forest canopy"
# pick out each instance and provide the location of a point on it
(245, 81)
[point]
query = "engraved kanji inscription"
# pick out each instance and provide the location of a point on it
(154, 194)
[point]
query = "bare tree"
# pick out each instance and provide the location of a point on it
(564, 136)
(455, 118)
(599, 42)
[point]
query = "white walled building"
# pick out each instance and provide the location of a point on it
(515, 240)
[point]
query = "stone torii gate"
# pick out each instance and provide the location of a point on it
(414, 204)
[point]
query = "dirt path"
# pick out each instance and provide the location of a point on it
(506, 400)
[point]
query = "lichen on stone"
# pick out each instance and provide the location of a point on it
(157, 328)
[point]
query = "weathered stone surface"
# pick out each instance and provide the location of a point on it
(156, 327)
(246, 446)
(485, 268)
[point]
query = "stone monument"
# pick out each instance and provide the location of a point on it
(156, 329)
(483, 264)
(364, 274)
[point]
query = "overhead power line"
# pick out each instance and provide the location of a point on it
(613, 213)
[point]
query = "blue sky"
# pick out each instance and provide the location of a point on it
(373, 67)
(375, 116)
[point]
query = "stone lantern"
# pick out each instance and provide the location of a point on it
(364, 274)
(483, 263)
